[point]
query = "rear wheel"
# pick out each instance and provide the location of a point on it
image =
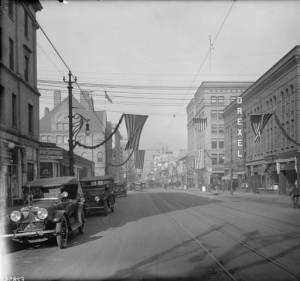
(62, 233)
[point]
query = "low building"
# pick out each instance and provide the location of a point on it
(273, 161)
(54, 128)
(54, 162)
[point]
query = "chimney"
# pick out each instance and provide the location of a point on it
(57, 97)
(85, 100)
(46, 111)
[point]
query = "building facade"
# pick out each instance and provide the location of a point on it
(209, 102)
(54, 128)
(273, 162)
(19, 97)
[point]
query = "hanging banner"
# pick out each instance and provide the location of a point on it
(258, 123)
(134, 125)
(139, 156)
(200, 123)
(199, 159)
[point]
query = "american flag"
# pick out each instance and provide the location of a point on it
(200, 123)
(258, 123)
(199, 159)
(139, 156)
(134, 125)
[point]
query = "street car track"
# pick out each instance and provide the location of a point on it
(242, 243)
(194, 238)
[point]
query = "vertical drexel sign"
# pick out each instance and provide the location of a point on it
(239, 120)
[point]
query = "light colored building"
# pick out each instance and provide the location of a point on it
(54, 128)
(19, 97)
(208, 103)
(274, 160)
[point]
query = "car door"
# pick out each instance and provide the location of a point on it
(70, 203)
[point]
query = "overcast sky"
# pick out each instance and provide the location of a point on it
(161, 43)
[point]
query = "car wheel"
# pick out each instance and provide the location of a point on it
(105, 208)
(81, 228)
(62, 233)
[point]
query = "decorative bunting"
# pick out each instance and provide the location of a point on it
(139, 156)
(134, 126)
(200, 123)
(199, 159)
(258, 123)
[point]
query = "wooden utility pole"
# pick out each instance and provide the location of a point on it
(71, 144)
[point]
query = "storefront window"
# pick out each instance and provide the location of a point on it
(46, 170)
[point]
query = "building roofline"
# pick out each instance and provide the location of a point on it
(273, 69)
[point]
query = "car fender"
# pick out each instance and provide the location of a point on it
(59, 214)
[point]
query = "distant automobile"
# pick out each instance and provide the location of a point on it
(99, 194)
(54, 207)
(120, 189)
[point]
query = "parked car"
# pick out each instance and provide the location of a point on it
(120, 189)
(53, 207)
(99, 194)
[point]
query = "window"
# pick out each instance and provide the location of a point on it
(213, 99)
(220, 114)
(30, 118)
(214, 159)
(221, 158)
(221, 144)
(221, 130)
(66, 140)
(11, 54)
(26, 69)
(2, 103)
(99, 157)
(214, 114)
(14, 110)
(11, 8)
(26, 23)
(214, 144)
(214, 129)
(59, 139)
(59, 126)
(220, 99)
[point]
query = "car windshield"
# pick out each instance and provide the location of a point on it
(42, 193)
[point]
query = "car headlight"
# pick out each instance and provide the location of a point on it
(15, 216)
(97, 198)
(42, 213)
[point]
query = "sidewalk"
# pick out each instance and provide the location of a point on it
(259, 197)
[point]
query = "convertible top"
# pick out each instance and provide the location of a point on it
(52, 182)
(97, 178)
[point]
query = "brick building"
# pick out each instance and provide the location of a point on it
(19, 97)
(208, 103)
(274, 161)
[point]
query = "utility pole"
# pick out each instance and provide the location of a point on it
(71, 144)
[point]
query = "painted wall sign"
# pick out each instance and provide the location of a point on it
(239, 120)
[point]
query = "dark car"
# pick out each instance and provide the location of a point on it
(120, 189)
(99, 194)
(53, 207)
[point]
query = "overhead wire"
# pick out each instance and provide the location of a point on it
(61, 58)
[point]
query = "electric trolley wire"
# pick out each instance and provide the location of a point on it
(61, 58)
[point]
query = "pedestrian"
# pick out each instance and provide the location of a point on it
(295, 193)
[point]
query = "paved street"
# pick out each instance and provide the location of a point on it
(161, 234)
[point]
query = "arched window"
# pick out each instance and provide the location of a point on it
(99, 157)
(66, 140)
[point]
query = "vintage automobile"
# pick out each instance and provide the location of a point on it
(99, 194)
(120, 189)
(53, 207)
